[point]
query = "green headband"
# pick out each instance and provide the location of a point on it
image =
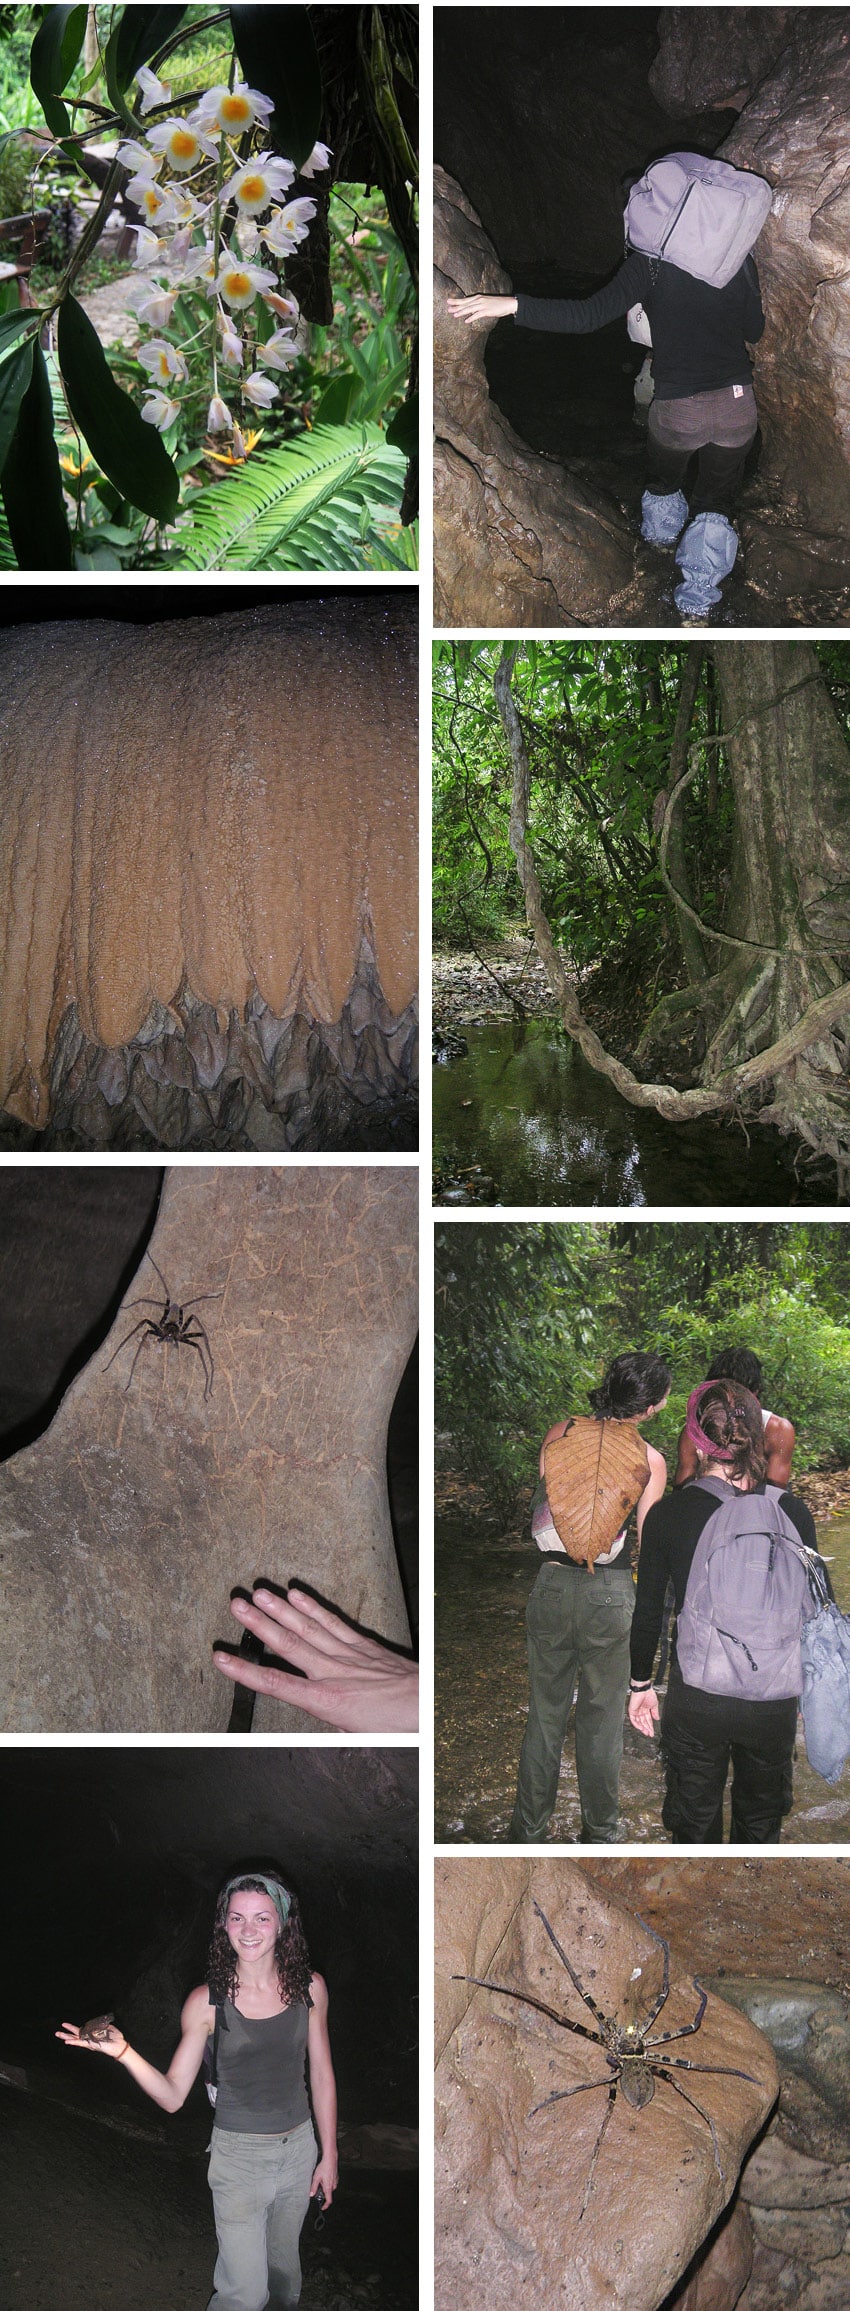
(277, 1893)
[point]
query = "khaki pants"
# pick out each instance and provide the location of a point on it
(261, 2191)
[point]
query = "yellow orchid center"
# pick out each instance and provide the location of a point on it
(236, 111)
(253, 189)
(183, 146)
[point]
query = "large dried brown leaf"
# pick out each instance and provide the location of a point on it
(594, 1475)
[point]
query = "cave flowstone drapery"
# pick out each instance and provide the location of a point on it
(208, 865)
(509, 2182)
(126, 1527)
(545, 202)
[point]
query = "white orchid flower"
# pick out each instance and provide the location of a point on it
(219, 419)
(159, 411)
(232, 110)
(318, 160)
(150, 250)
(289, 226)
(247, 235)
(153, 305)
(279, 351)
(239, 284)
(232, 349)
(286, 308)
(163, 360)
(260, 182)
(158, 207)
(153, 91)
(259, 391)
(181, 144)
(199, 264)
(137, 158)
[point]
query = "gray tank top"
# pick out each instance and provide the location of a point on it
(261, 2083)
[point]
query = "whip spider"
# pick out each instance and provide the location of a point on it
(175, 1325)
(629, 2050)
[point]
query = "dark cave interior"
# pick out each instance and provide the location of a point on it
(566, 396)
(114, 1858)
(71, 1240)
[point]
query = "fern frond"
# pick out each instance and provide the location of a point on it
(312, 504)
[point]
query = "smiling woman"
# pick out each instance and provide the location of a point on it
(259, 2023)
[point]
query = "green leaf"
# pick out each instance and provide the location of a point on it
(125, 448)
(14, 379)
(137, 36)
(15, 325)
(403, 431)
(339, 399)
(279, 58)
(53, 55)
(298, 507)
(32, 483)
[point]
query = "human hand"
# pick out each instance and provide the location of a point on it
(471, 309)
(326, 2177)
(644, 1713)
(99, 2037)
(352, 1681)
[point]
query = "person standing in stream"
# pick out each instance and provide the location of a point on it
(579, 1613)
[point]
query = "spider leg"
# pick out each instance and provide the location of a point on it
(158, 1272)
(687, 2027)
(688, 2098)
(524, 2000)
(199, 1296)
(147, 1333)
(200, 1340)
(185, 1342)
(612, 2097)
(665, 1979)
(142, 1326)
(596, 2011)
(711, 2069)
(587, 2086)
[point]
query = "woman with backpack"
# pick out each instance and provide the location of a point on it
(265, 2013)
(596, 1473)
(742, 1559)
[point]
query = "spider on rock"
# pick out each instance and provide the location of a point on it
(175, 1325)
(629, 2050)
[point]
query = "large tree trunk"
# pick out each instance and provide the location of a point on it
(775, 1012)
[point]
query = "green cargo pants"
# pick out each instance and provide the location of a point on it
(577, 1626)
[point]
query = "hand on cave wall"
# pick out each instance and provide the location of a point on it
(155, 1491)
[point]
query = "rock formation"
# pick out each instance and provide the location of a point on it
(510, 2177)
(209, 868)
(153, 1495)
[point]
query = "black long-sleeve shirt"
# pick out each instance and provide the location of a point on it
(699, 334)
(670, 1534)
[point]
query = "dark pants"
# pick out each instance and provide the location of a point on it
(715, 428)
(578, 1628)
(701, 1735)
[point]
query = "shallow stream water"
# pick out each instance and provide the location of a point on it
(482, 1696)
(540, 1126)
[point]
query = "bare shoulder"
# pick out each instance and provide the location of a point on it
(319, 1993)
(198, 2012)
(779, 1428)
(657, 1462)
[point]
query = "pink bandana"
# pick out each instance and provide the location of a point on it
(697, 1435)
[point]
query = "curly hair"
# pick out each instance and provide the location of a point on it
(738, 1364)
(632, 1383)
(291, 1954)
(731, 1418)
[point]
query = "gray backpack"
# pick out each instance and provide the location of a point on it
(750, 1588)
(700, 214)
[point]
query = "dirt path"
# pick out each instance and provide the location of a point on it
(110, 313)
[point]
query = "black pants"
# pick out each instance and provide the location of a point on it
(701, 1735)
(718, 478)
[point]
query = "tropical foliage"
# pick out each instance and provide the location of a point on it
(528, 1317)
(194, 449)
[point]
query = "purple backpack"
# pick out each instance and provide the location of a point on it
(749, 1591)
(700, 214)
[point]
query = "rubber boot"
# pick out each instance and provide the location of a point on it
(661, 519)
(705, 556)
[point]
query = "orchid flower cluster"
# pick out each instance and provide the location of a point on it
(186, 178)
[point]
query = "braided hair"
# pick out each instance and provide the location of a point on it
(291, 1954)
(730, 1419)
